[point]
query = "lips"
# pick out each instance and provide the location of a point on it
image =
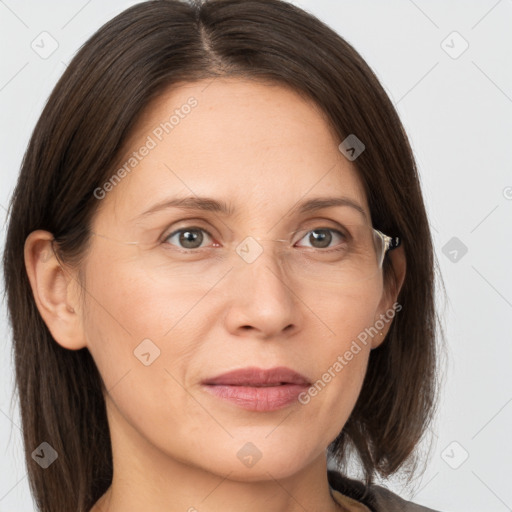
(257, 377)
(258, 390)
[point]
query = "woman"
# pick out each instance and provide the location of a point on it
(219, 271)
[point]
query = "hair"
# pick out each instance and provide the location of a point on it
(89, 117)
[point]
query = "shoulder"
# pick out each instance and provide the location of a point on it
(375, 497)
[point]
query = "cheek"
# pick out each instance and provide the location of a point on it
(140, 347)
(347, 320)
(342, 356)
(129, 319)
(125, 301)
(332, 396)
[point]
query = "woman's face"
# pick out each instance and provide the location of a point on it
(165, 315)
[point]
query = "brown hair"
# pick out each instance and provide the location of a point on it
(73, 150)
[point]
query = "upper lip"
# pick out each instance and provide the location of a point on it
(253, 376)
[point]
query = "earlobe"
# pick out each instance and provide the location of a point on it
(53, 289)
(388, 306)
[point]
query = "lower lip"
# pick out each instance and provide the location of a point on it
(262, 399)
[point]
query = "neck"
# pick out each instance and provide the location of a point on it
(146, 479)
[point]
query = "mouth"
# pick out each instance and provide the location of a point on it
(256, 389)
(257, 377)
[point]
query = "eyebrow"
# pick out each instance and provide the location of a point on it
(208, 204)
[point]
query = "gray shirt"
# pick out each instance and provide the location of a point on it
(375, 497)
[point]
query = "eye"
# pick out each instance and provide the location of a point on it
(321, 238)
(188, 238)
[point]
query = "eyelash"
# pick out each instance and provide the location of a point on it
(196, 228)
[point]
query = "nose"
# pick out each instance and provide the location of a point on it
(262, 299)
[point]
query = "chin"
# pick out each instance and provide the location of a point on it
(247, 463)
(261, 471)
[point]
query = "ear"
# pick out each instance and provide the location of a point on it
(55, 290)
(387, 307)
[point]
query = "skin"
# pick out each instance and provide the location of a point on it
(261, 148)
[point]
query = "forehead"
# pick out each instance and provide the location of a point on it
(258, 146)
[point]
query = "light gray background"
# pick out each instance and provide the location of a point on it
(457, 110)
